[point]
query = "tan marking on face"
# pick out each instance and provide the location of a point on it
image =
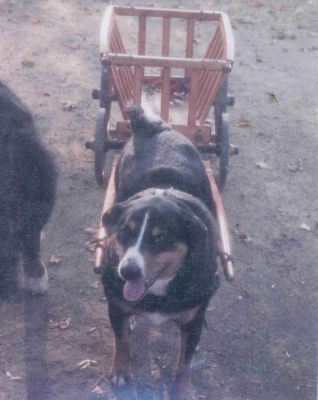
(156, 232)
(170, 259)
(132, 224)
(116, 246)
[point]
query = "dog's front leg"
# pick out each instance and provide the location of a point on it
(120, 373)
(36, 276)
(190, 334)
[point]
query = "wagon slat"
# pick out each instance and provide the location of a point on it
(189, 41)
(125, 73)
(165, 93)
(142, 35)
(165, 36)
(193, 96)
(138, 85)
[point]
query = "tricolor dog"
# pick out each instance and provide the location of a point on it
(162, 246)
(27, 194)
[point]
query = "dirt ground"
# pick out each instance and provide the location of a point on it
(260, 342)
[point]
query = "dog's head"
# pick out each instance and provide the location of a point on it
(153, 235)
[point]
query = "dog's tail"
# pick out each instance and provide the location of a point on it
(144, 122)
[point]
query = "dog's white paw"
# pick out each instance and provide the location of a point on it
(120, 378)
(37, 285)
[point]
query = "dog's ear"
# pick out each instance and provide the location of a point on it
(194, 225)
(111, 217)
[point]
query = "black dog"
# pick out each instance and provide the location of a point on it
(162, 249)
(27, 193)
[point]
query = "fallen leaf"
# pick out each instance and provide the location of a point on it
(94, 285)
(307, 49)
(86, 363)
(97, 390)
(55, 259)
(272, 97)
(90, 246)
(62, 324)
(242, 122)
(258, 57)
(90, 230)
(242, 235)
(27, 63)
(305, 227)
(13, 377)
(295, 166)
(261, 165)
(68, 105)
(281, 35)
(36, 21)
(66, 323)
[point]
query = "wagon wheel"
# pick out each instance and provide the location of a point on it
(224, 149)
(101, 144)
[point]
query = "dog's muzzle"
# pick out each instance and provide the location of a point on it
(130, 270)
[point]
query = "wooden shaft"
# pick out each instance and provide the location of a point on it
(225, 245)
(108, 204)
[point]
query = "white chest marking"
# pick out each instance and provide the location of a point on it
(157, 318)
(159, 287)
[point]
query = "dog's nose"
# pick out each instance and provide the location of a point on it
(130, 270)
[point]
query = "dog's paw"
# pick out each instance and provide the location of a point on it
(181, 389)
(37, 285)
(120, 377)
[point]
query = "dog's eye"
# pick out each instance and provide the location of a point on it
(125, 234)
(160, 237)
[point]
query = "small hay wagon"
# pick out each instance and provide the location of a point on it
(178, 76)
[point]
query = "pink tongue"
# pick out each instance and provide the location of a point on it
(134, 289)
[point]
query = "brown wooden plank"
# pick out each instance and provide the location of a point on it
(189, 42)
(165, 36)
(138, 75)
(141, 34)
(190, 37)
(227, 37)
(165, 94)
(170, 62)
(106, 30)
(157, 12)
(193, 96)
(125, 73)
(215, 52)
(210, 96)
(198, 135)
(208, 87)
(216, 38)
